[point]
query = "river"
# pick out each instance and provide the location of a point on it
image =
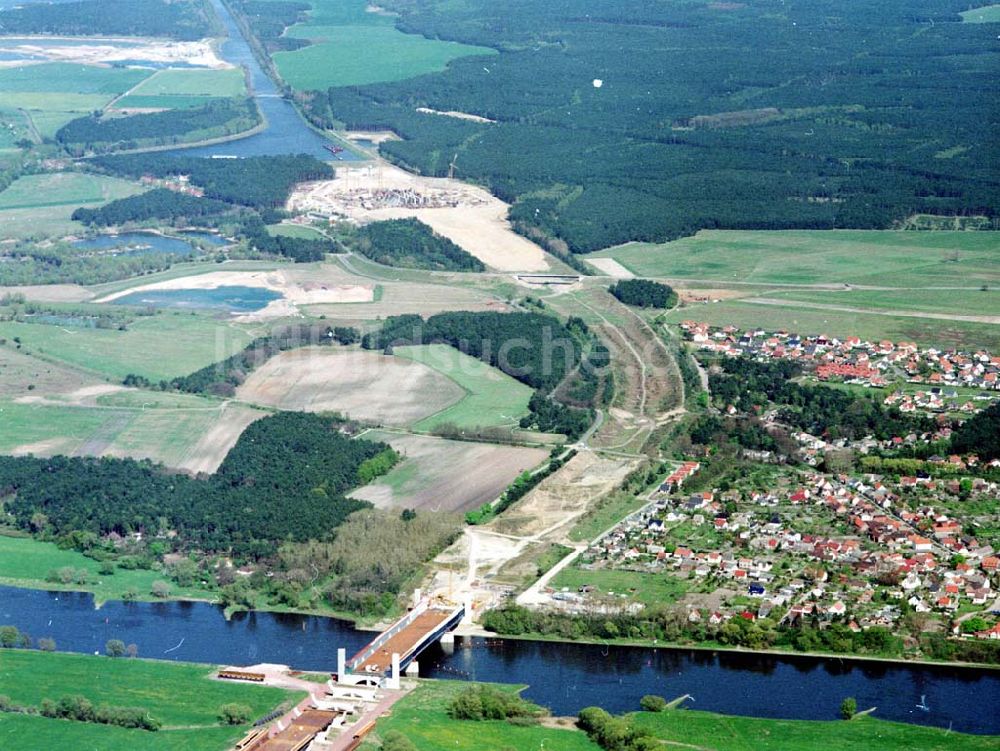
(286, 131)
(563, 677)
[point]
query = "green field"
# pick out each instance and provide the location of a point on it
(71, 78)
(649, 589)
(41, 205)
(611, 510)
(162, 346)
(295, 230)
(160, 102)
(802, 319)
(352, 47)
(708, 731)
(885, 259)
(63, 189)
(422, 717)
(180, 695)
(987, 14)
(25, 562)
(227, 82)
(492, 397)
(958, 302)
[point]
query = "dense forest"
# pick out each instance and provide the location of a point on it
(175, 19)
(819, 410)
(299, 249)
(268, 20)
(102, 134)
(284, 479)
(535, 349)
(260, 182)
(159, 203)
(979, 435)
(888, 113)
(410, 243)
(644, 293)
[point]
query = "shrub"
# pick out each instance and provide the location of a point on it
(848, 708)
(234, 714)
(114, 648)
(652, 703)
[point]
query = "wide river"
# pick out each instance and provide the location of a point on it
(563, 677)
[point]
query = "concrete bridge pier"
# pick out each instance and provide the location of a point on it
(392, 682)
(341, 663)
(447, 642)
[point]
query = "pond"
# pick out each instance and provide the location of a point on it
(235, 298)
(137, 243)
(563, 677)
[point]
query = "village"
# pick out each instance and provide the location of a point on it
(919, 379)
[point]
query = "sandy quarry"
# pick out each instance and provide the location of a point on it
(469, 216)
(108, 51)
(294, 291)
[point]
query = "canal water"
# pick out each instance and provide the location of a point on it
(563, 677)
(286, 132)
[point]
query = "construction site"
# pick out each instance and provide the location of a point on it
(338, 714)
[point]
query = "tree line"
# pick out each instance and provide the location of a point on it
(159, 203)
(285, 479)
(409, 243)
(644, 293)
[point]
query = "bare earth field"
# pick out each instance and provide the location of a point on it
(411, 297)
(207, 454)
(469, 216)
(362, 385)
(18, 372)
(443, 475)
(611, 267)
(295, 288)
(50, 292)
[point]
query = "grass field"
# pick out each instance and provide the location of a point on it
(181, 696)
(422, 717)
(165, 345)
(41, 205)
(22, 376)
(649, 589)
(444, 475)
(713, 732)
(970, 303)
(71, 78)
(227, 82)
(612, 509)
(25, 562)
(889, 259)
(63, 189)
(294, 230)
(492, 397)
(802, 319)
(987, 14)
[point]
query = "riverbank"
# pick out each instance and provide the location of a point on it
(725, 648)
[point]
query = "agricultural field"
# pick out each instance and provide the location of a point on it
(409, 297)
(181, 88)
(26, 562)
(21, 375)
(362, 385)
(443, 475)
(838, 257)
(492, 397)
(41, 205)
(422, 717)
(161, 346)
(52, 94)
(181, 696)
(979, 304)
(352, 47)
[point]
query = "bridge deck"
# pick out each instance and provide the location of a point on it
(404, 641)
(300, 732)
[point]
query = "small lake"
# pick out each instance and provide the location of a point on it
(563, 677)
(286, 132)
(139, 243)
(234, 299)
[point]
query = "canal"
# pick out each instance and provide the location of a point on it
(563, 677)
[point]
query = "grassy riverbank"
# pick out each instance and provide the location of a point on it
(180, 696)
(423, 718)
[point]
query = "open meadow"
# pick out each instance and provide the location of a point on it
(181, 696)
(26, 562)
(161, 346)
(41, 205)
(443, 475)
(491, 396)
(353, 45)
(830, 257)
